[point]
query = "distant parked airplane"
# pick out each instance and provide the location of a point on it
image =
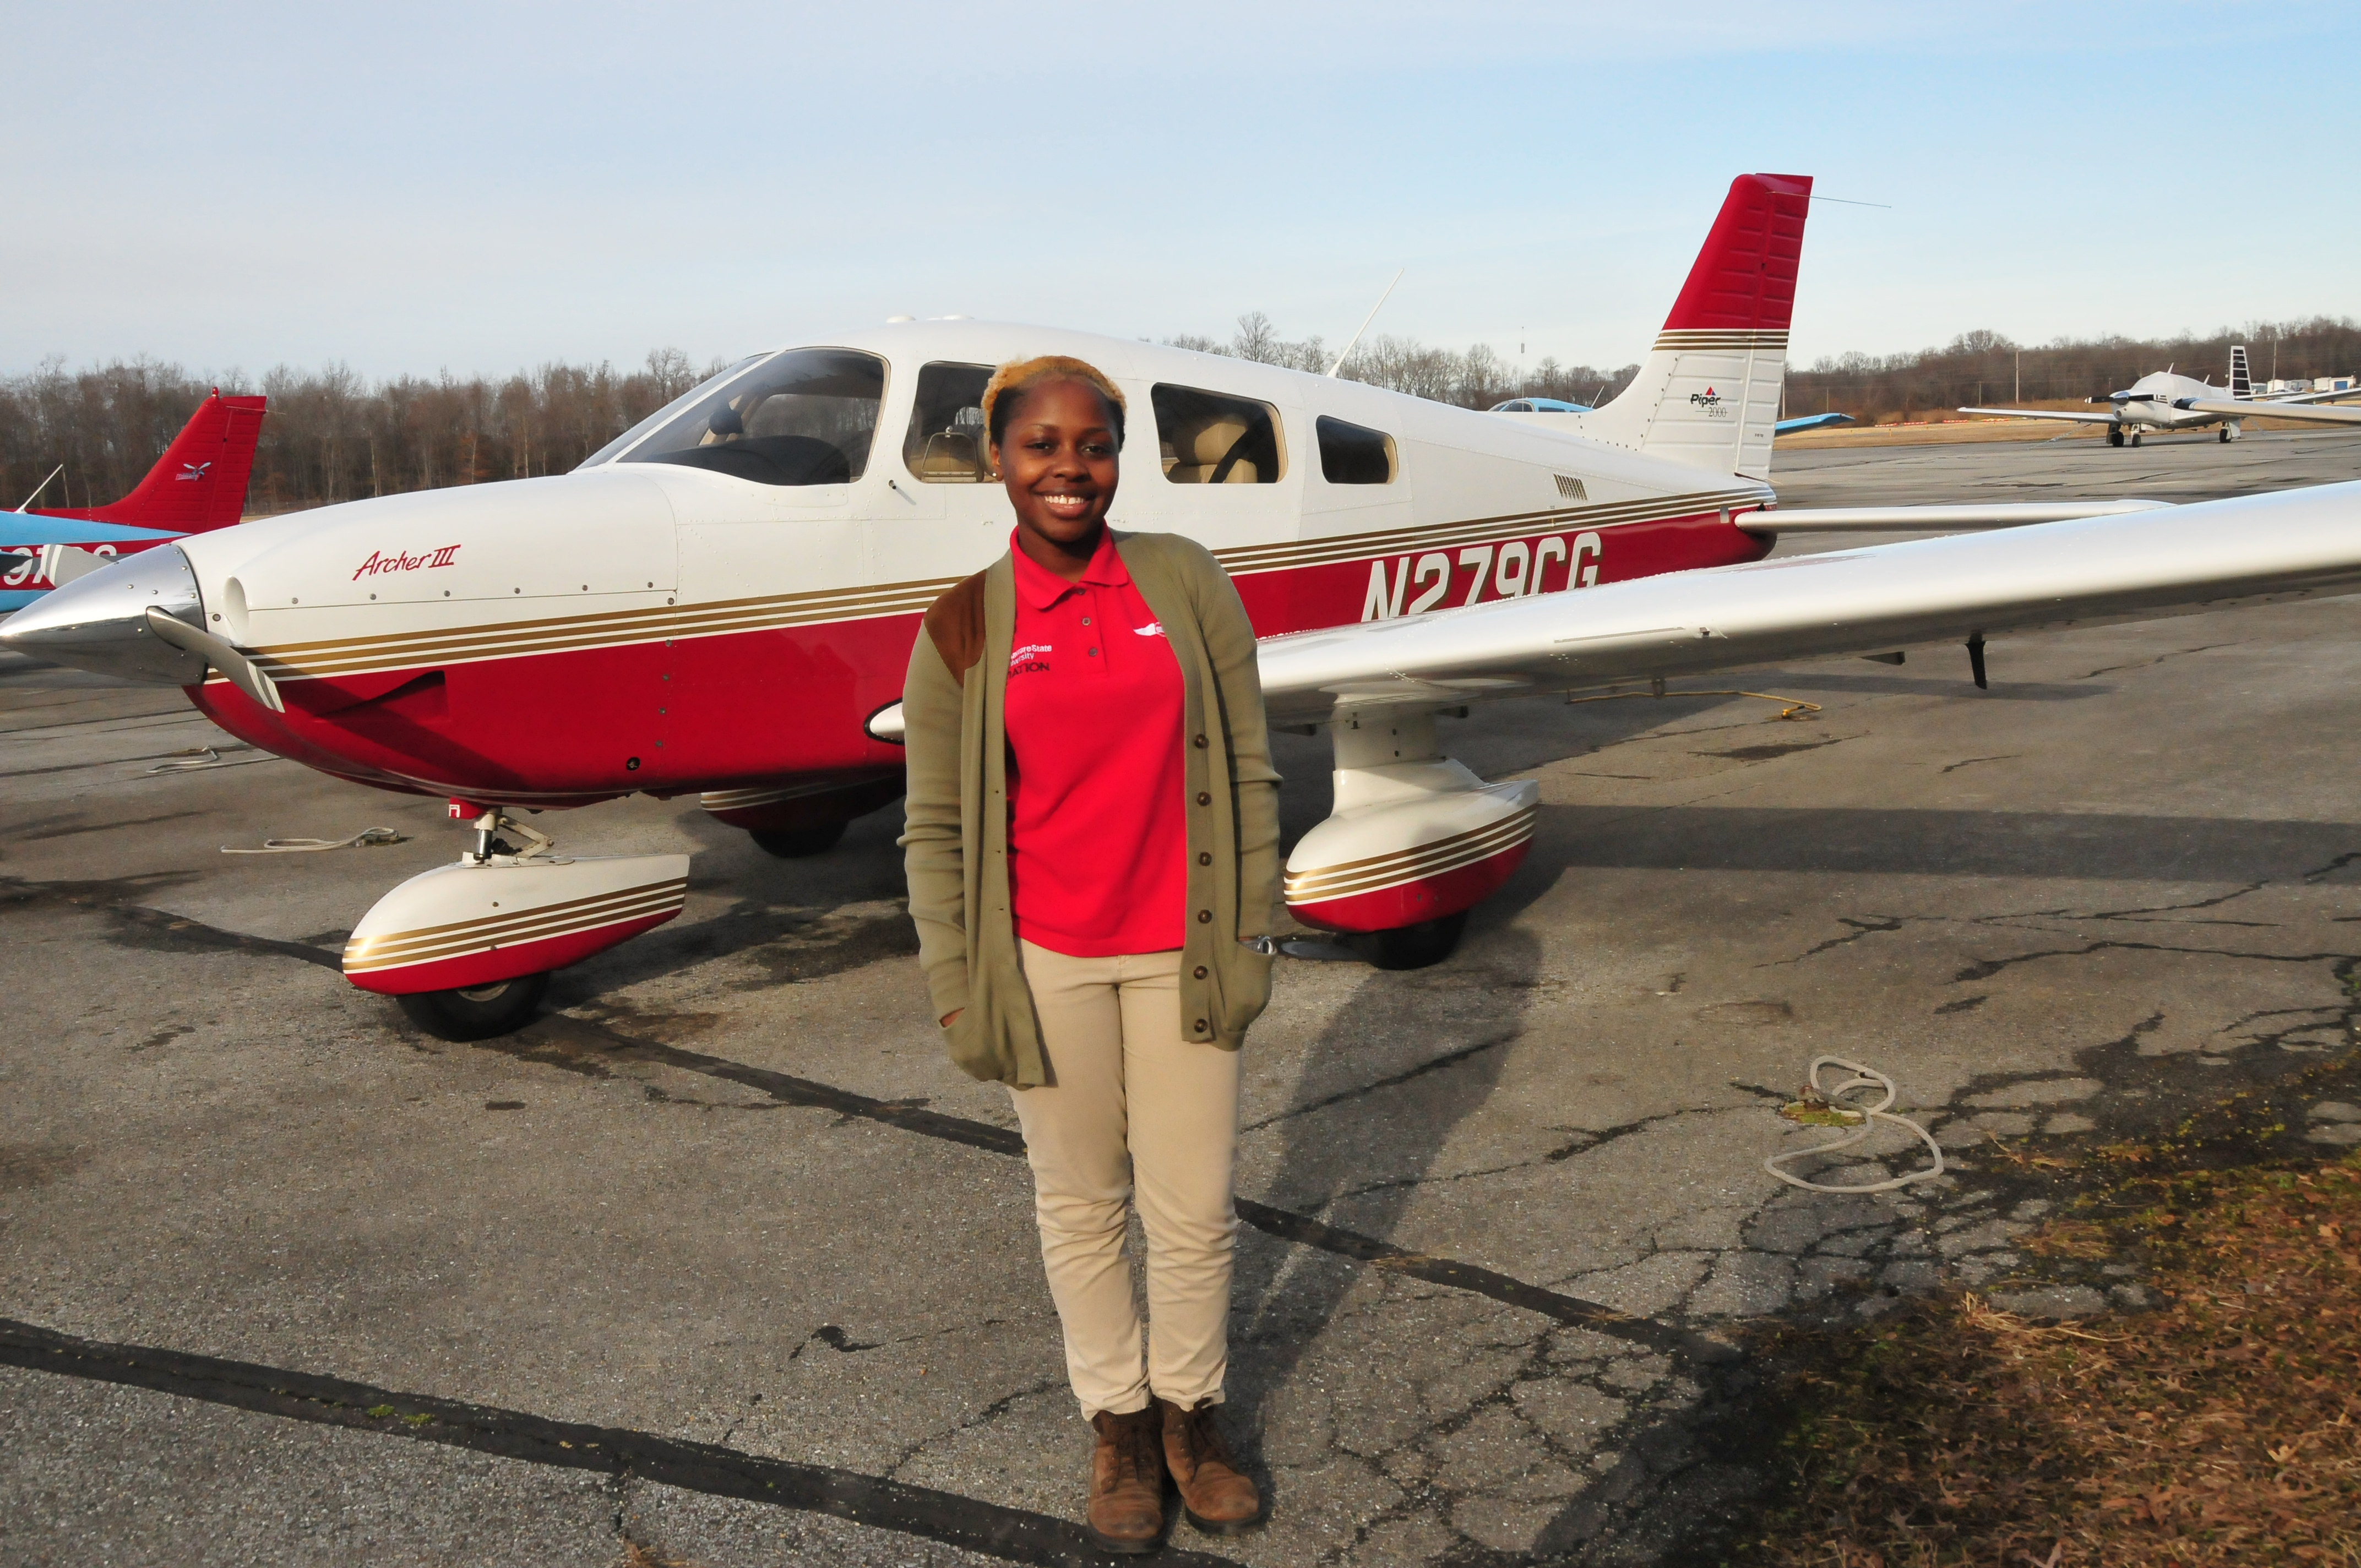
(1811, 421)
(2162, 401)
(1539, 406)
(198, 484)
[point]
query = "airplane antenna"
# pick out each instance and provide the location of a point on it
(44, 485)
(1355, 338)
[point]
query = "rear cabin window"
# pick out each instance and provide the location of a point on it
(1353, 453)
(805, 417)
(1212, 438)
(946, 444)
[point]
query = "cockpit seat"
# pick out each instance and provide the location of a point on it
(1211, 454)
(949, 458)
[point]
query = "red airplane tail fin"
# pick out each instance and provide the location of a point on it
(1708, 394)
(200, 482)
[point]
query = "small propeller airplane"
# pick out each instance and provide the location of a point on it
(2162, 401)
(722, 602)
(198, 484)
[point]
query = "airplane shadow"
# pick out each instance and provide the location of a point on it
(1355, 1150)
(2105, 846)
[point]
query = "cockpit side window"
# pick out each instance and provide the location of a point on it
(664, 415)
(1212, 438)
(1353, 453)
(807, 417)
(945, 443)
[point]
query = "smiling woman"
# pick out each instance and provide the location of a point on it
(1093, 854)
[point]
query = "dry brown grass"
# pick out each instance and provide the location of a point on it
(2222, 1427)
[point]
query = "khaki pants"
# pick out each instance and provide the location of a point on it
(1132, 1113)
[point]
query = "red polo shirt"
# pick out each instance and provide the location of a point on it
(1098, 833)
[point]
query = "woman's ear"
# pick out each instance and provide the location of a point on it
(992, 458)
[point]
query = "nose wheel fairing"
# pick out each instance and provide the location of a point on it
(502, 917)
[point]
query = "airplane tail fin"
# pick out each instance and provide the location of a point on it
(1708, 394)
(2241, 383)
(200, 482)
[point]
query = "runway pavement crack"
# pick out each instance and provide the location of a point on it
(1015, 1535)
(1876, 924)
(1435, 1064)
(1587, 1140)
(1972, 762)
(1987, 968)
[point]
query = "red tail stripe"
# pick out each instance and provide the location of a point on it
(1745, 277)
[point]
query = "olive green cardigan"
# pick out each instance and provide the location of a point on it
(956, 836)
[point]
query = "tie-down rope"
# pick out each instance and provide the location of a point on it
(363, 839)
(1823, 1104)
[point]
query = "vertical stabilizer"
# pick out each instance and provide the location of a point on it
(1708, 394)
(200, 482)
(2241, 383)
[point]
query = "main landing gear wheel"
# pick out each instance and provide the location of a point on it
(2226, 436)
(2115, 436)
(1413, 947)
(476, 1012)
(797, 843)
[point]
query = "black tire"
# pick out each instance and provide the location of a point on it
(797, 843)
(2135, 438)
(2115, 438)
(2225, 435)
(1413, 947)
(476, 1012)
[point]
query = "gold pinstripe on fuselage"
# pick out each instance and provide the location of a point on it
(331, 657)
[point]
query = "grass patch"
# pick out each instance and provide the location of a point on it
(2224, 1426)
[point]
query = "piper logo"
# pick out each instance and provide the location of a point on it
(380, 561)
(1705, 399)
(192, 470)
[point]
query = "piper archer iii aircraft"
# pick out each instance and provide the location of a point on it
(2162, 401)
(722, 602)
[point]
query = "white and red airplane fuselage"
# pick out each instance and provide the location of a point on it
(659, 628)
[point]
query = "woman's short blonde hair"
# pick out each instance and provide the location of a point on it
(1009, 384)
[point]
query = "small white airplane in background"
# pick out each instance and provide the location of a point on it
(2162, 401)
(722, 601)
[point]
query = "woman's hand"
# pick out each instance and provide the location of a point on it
(952, 1017)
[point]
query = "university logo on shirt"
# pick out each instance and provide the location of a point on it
(1028, 660)
(1153, 629)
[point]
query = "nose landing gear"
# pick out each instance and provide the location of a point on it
(467, 950)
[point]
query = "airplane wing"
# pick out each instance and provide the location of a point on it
(2289, 544)
(2313, 413)
(2042, 413)
(1946, 518)
(2285, 397)
(1811, 422)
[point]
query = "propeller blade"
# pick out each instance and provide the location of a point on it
(243, 673)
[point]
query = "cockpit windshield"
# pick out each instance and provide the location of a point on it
(631, 437)
(806, 417)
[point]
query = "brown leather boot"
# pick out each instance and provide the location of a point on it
(1215, 1492)
(1126, 1512)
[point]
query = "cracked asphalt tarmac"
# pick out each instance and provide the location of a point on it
(721, 1262)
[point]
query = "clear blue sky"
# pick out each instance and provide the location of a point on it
(483, 187)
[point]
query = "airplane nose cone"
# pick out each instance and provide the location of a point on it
(98, 621)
